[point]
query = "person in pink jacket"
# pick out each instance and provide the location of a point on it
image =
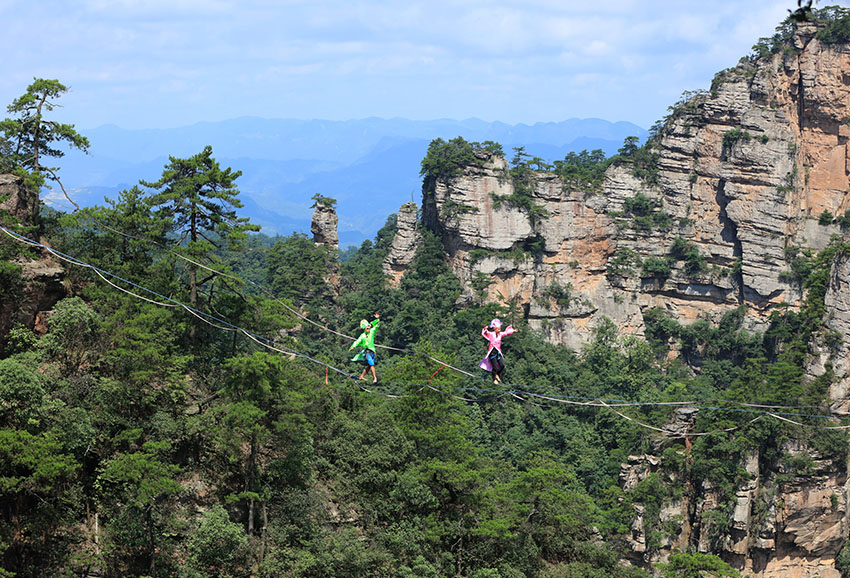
(493, 361)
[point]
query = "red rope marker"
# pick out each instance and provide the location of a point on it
(435, 373)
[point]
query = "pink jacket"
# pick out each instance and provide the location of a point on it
(494, 338)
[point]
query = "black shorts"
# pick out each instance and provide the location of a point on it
(496, 361)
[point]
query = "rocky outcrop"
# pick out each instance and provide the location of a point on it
(555, 269)
(743, 173)
(405, 241)
(33, 288)
(778, 523)
(16, 201)
(43, 285)
(833, 348)
(324, 225)
(744, 176)
(35, 281)
(325, 234)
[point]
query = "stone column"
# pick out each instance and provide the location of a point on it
(405, 242)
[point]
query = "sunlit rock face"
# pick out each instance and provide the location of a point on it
(747, 173)
(405, 241)
(42, 277)
(324, 225)
(16, 201)
(744, 172)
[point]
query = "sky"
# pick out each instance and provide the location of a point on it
(168, 63)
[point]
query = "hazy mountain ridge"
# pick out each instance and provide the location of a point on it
(285, 161)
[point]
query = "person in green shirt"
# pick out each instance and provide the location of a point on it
(367, 342)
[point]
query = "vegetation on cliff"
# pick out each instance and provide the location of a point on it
(188, 419)
(129, 449)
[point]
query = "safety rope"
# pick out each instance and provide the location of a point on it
(270, 344)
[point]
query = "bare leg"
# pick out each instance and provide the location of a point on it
(363, 375)
(374, 375)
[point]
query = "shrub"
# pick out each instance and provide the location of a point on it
(622, 263)
(446, 160)
(837, 29)
(478, 254)
(522, 177)
(320, 199)
(453, 209)
(683, 250)
(842, 561)
(218, 547)
(737, 266)
(584, 169)
(561, 294)
(732, 137)
(656, 267)
(788, 182)
(696, 565)
(11, 282)
(644, 159)
(775, 44)
(646, 214)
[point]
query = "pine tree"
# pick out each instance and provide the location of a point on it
(28, 137)
(200, 200)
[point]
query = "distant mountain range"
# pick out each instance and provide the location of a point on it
(371, 166)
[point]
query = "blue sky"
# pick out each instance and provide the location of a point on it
(166, 63)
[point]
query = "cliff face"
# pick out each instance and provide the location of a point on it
(325, 234)
(16, 201)
(780, 523)
(41, 277)
(324, 225)
(746, 176)
(743, 173)
(405, 241)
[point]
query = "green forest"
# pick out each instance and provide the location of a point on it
(191, 407)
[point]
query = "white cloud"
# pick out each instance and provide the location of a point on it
(588, 78)
(158, 9)
(221, 58)
(598, 48)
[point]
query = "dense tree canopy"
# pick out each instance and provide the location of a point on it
(131, 445)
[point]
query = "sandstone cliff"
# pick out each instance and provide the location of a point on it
(324, 224)
(38, 282)
(407, 237)
(746, 176)
(780, 522)
(325, 234)
(743, 172)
